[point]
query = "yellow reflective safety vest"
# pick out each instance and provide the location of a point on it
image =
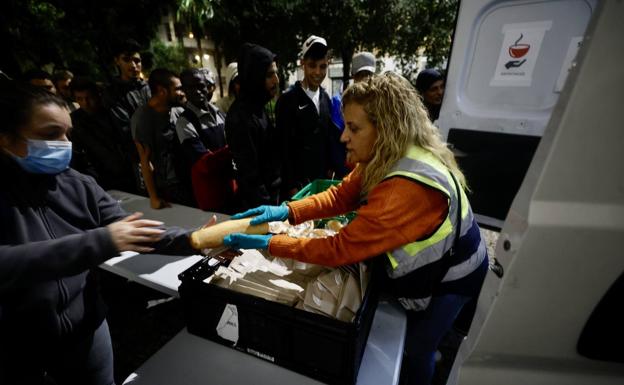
(420, 268)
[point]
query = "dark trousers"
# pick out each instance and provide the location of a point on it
(84, 361)
(423, 335)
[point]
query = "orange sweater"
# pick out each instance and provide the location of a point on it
(398, 211)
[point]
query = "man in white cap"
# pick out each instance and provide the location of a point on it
(311, 147)
(231, 80)
(362, 66)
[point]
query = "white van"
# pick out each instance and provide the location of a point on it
(534, 108)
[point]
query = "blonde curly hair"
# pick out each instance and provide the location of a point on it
(396, 110)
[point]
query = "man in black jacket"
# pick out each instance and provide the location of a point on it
(249, 131)
(311, 147)
(127, 92)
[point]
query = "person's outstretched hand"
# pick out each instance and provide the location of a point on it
(264, 214)
(247, 241)
(133, 233)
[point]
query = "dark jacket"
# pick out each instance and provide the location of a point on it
(311, 147)
(52, 233)
(251, 134)
(99, 151)
(122, 99)
(200, 131)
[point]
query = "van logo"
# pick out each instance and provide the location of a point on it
(519, 53)
(516, 51)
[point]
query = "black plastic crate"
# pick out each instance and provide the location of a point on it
(323, 348)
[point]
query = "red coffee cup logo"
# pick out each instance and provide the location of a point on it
(518, 50)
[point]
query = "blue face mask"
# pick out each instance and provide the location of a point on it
(46, 156)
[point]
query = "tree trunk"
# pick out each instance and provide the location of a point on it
(347, 55)
(199, 48)
(218, 60)
(179, 34)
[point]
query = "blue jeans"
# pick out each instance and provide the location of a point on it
(424, 332)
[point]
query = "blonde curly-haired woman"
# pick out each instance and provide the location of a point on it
(411, 210)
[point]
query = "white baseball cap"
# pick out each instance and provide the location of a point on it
(231, 73)
(311, 41)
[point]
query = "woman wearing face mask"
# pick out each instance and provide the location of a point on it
(411, 211)
(55, 226)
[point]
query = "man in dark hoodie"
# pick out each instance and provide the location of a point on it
(249, 131)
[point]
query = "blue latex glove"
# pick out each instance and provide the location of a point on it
(264, 214)
(247, 241)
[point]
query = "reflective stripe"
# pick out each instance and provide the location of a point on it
(406, 258)
(418, 157)
(423, 167)
(415, 304)
(436, 238)
(393, 262)
(438, 178)
(468, 266)
(422, 179)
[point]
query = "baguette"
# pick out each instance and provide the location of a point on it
(211, 237)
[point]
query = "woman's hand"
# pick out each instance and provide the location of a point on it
(264, 214)
(133, 233)
(247, 241)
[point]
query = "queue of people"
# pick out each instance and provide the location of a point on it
(413, 215)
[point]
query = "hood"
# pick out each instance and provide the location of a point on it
(253, 63)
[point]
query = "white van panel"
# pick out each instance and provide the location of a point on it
(561, 243)
(473, 99)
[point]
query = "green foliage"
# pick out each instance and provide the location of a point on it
(171, 57)
(396, 27)
(80, 35)
(194, 12)
(426, 25)
(73, 34)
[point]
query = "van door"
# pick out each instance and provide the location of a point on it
(508, 64)
(555, 316)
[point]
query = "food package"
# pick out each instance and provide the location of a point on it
(319, 298)
(332, 281)
(350, 299)
(335, 293)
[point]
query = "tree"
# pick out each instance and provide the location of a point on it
(401, 28)
(198, 15)
(73, 34)
(271, 23)
(195, 14)
(23, 24)
(395, 27)
(426, 25)
(171, 57)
